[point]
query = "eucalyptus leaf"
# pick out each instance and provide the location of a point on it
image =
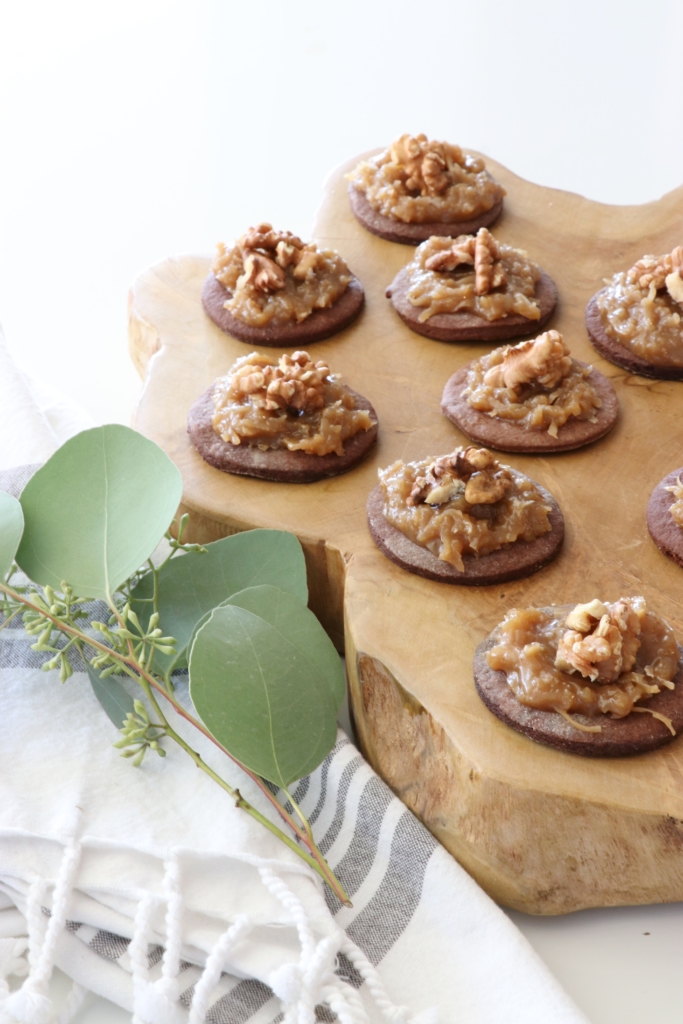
(260, 693)
(11, 529)
(192, 585)
(285, 616)
(115, 700)
(299, 627)
(96, 510)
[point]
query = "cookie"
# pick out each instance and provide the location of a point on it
(418, 188)
(620, 737)
(509, 436)
(467, 326)
(665, 533)
(320, 324)
(277, 464)
(618, 354)
(510, 562)
(412, 234)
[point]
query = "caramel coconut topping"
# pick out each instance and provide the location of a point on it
(462, 503)
(592, 659)
(536, 384)
(418, 180)
(273, 277)
(473, 273)
(294, 403)
(642, 308)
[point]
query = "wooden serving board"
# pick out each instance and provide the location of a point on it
(542, 831)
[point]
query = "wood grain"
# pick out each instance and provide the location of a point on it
(542, 831)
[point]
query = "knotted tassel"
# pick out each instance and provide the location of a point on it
(214, 967)
(32, 1004)
(12, 961)
(394, 1014)
(300, 987)
(156, 1002)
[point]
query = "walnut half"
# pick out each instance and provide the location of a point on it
(425, 164)
(266, 254)
(544, 360)
(480, 250)
(660, 272)
(602, 639)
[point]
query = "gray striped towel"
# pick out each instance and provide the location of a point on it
(147, 887)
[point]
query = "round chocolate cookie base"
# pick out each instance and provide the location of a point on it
(468, 326)
(665, 533)
(320, 324)
(618, 354)
(510, 562)
(620, 737)
(509, 436)
(412, 234)
(277, 464)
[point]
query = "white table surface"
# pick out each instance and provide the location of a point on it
(135, 130)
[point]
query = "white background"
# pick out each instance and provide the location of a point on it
(135, 130)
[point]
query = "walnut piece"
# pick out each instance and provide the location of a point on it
(429, 167)
(544, 360)
(461, 253)
(660, 272)
(434, 172)
(480, 250)
(295, 382)
(674, 286)
(602, 639)
(266, 254)
(471, 472)
(676, 507)
(264, 237)
(260, 271)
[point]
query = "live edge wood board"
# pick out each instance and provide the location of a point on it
(541, 831)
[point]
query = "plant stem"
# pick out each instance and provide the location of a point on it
(148, 682)
(234, 793)
(302, 817)
(305, 822)
(9, 618)
(306, 837)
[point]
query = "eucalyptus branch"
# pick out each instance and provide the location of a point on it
(314, 862)
(124, 654)
(315, 858)
(305, 837)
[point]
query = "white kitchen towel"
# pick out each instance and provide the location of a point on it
(34, 419)
(227, 924)
(149, 886)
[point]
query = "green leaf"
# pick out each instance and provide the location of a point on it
(286, 617)
(11, 529)
(115, 700)
(192, 585)
(299, 626)
(96, 510)
(269, 698)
